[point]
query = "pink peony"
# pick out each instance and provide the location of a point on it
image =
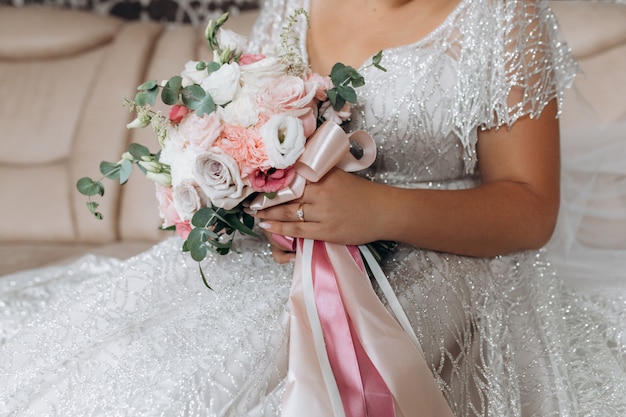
(177, 112)
(247, 59)
(272, 180)
(245, 146)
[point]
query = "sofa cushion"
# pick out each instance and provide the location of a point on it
(65, 32)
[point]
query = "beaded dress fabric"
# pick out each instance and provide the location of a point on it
(503, 336)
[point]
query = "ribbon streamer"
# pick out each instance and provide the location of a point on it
(348, 356)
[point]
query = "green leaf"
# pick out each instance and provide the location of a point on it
(213, 66)
(93, 206)
(358, 81)
(352, 73)
(171, 90)
(110, 170)
(126, 168)
(148, 85)
(87, 186)
(235, 223)
(198, 251)
(338, 74)
(138, 151)
(204, 280)
(204, 217)
(347, 93)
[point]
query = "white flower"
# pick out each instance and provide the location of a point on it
(180, 159)
(223, 84)
(219, 178)
(284, 140)
(187, 200)
(227, 39)
(256, 75)
(162, 178)
(191, 75)
(241, 111)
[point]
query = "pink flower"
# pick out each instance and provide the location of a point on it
(271, 180)
(167, 212)
(286, 94)
(319, 83)
(309, 122)
(247, 59)
(245, 146)
(200, 132)
(183, 228)
(177, 112)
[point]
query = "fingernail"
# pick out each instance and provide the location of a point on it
(264, 225)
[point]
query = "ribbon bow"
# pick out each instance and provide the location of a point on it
(348, 356)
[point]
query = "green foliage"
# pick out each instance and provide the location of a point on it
(345, 79)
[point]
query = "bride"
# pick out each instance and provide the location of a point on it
(466, 181)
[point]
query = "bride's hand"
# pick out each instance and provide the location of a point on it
(340, 208)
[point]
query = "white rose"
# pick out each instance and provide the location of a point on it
(235, 42)
(283, 137)
(223, 84)
(219, 178)
(187, 200)
(257, 74)
(191, 75)
(241, 111)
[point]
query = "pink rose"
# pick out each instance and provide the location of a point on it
(319, 83)
(286, 94)
(200, 132)
(272, 180)
(177, 112)
(247, 59)
(183, 228)
(167, 212)
(245, 146)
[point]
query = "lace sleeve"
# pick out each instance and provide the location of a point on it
(534, 65)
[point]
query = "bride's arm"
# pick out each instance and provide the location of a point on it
(514, 209)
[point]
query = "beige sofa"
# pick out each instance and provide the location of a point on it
(63, 75)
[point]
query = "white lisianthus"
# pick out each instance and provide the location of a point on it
(227, 39)
(191, 75)
(241, 111)
(219, 178)
(162, 178)
(187, 200)
(283, 137)
(223, 84)
(256, 75)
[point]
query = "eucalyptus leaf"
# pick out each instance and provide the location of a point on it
(237, 224)
(148, 85)
(87, 186)
(206, 106)
(204, 217)
(213, 66)
(358, 81)
(138, 151)
(110, 170)
(347, 93)
(352, 73)
(93, 207)
(198, 252)
(338, 74)
(172, 90)
(126, 168)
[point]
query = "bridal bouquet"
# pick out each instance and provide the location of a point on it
(236, 125)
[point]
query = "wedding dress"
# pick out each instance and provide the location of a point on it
(502, 336)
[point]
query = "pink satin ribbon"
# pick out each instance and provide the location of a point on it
(362, 389)
(348, 356)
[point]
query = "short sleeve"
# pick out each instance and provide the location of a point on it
(531, 65)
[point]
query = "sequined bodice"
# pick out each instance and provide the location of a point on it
(426, 109)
